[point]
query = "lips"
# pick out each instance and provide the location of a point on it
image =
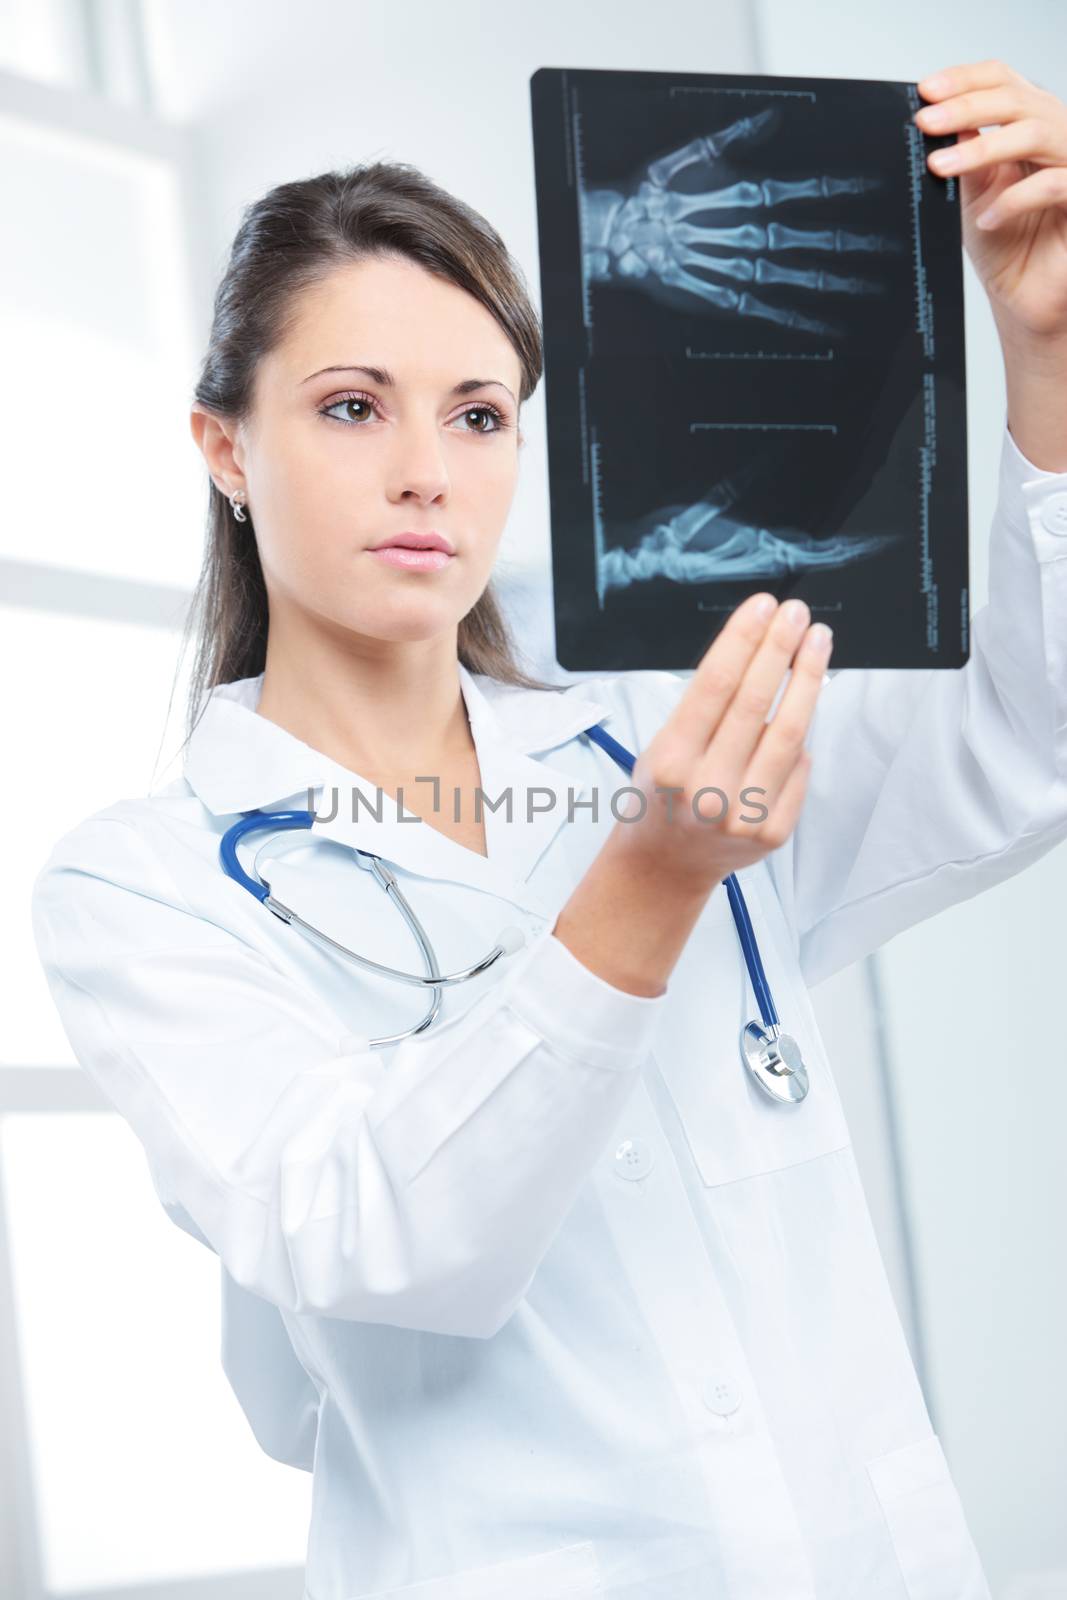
(400, 555)
(416, 541)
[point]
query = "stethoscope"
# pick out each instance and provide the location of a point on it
(772, 1057)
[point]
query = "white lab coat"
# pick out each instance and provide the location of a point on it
(553, 1300)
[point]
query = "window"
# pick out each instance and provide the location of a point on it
(127, 1458)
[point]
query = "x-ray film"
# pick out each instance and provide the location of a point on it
(752, 298)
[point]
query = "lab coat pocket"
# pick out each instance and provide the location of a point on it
(927, 1526)
(572, 1569)
(733, 1127)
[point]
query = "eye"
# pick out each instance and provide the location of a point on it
(484, 408)
(347, 400)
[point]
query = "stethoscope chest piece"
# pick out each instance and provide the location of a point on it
(774, 1060)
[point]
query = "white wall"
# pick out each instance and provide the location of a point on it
(971, 998)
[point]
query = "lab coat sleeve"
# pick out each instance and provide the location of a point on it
(420, 1190)
(928, 786)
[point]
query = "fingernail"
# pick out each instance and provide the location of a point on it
(765, 605)
(934, 85)
(819, 639)
(989, 218)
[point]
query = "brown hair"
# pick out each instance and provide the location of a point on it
(287, 240)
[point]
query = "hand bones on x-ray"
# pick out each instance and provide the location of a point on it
(698, 544)
(628, 237)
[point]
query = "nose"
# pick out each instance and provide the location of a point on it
(418, 468)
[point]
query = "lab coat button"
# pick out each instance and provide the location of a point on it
(721, 1395)
(633, 1158)
(1054, 513)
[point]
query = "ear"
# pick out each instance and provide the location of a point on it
(215, 439)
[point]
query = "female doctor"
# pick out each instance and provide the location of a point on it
(550, 1296)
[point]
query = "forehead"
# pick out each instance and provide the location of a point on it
(393, 313)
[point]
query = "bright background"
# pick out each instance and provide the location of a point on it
(131, 136)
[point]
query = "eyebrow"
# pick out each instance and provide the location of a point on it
(383, 376)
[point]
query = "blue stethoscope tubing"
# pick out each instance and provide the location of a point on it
(773, 1058)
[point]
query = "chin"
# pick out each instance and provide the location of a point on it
(405, 624)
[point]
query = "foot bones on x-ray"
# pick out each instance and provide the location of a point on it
(627, 238)
(698, 544)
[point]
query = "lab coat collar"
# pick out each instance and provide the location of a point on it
(238, 761)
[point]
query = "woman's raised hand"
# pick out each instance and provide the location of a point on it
(721, 785)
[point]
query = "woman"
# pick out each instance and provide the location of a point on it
(550, 1297)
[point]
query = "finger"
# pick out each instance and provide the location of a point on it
(782, 812)
(1039, 192)
(743, 720)
(1027, 140)
(785, 809)
(783, 736)
(970, 75)
(715, 680)
(1008, 102)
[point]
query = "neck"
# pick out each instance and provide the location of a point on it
(380, 708)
